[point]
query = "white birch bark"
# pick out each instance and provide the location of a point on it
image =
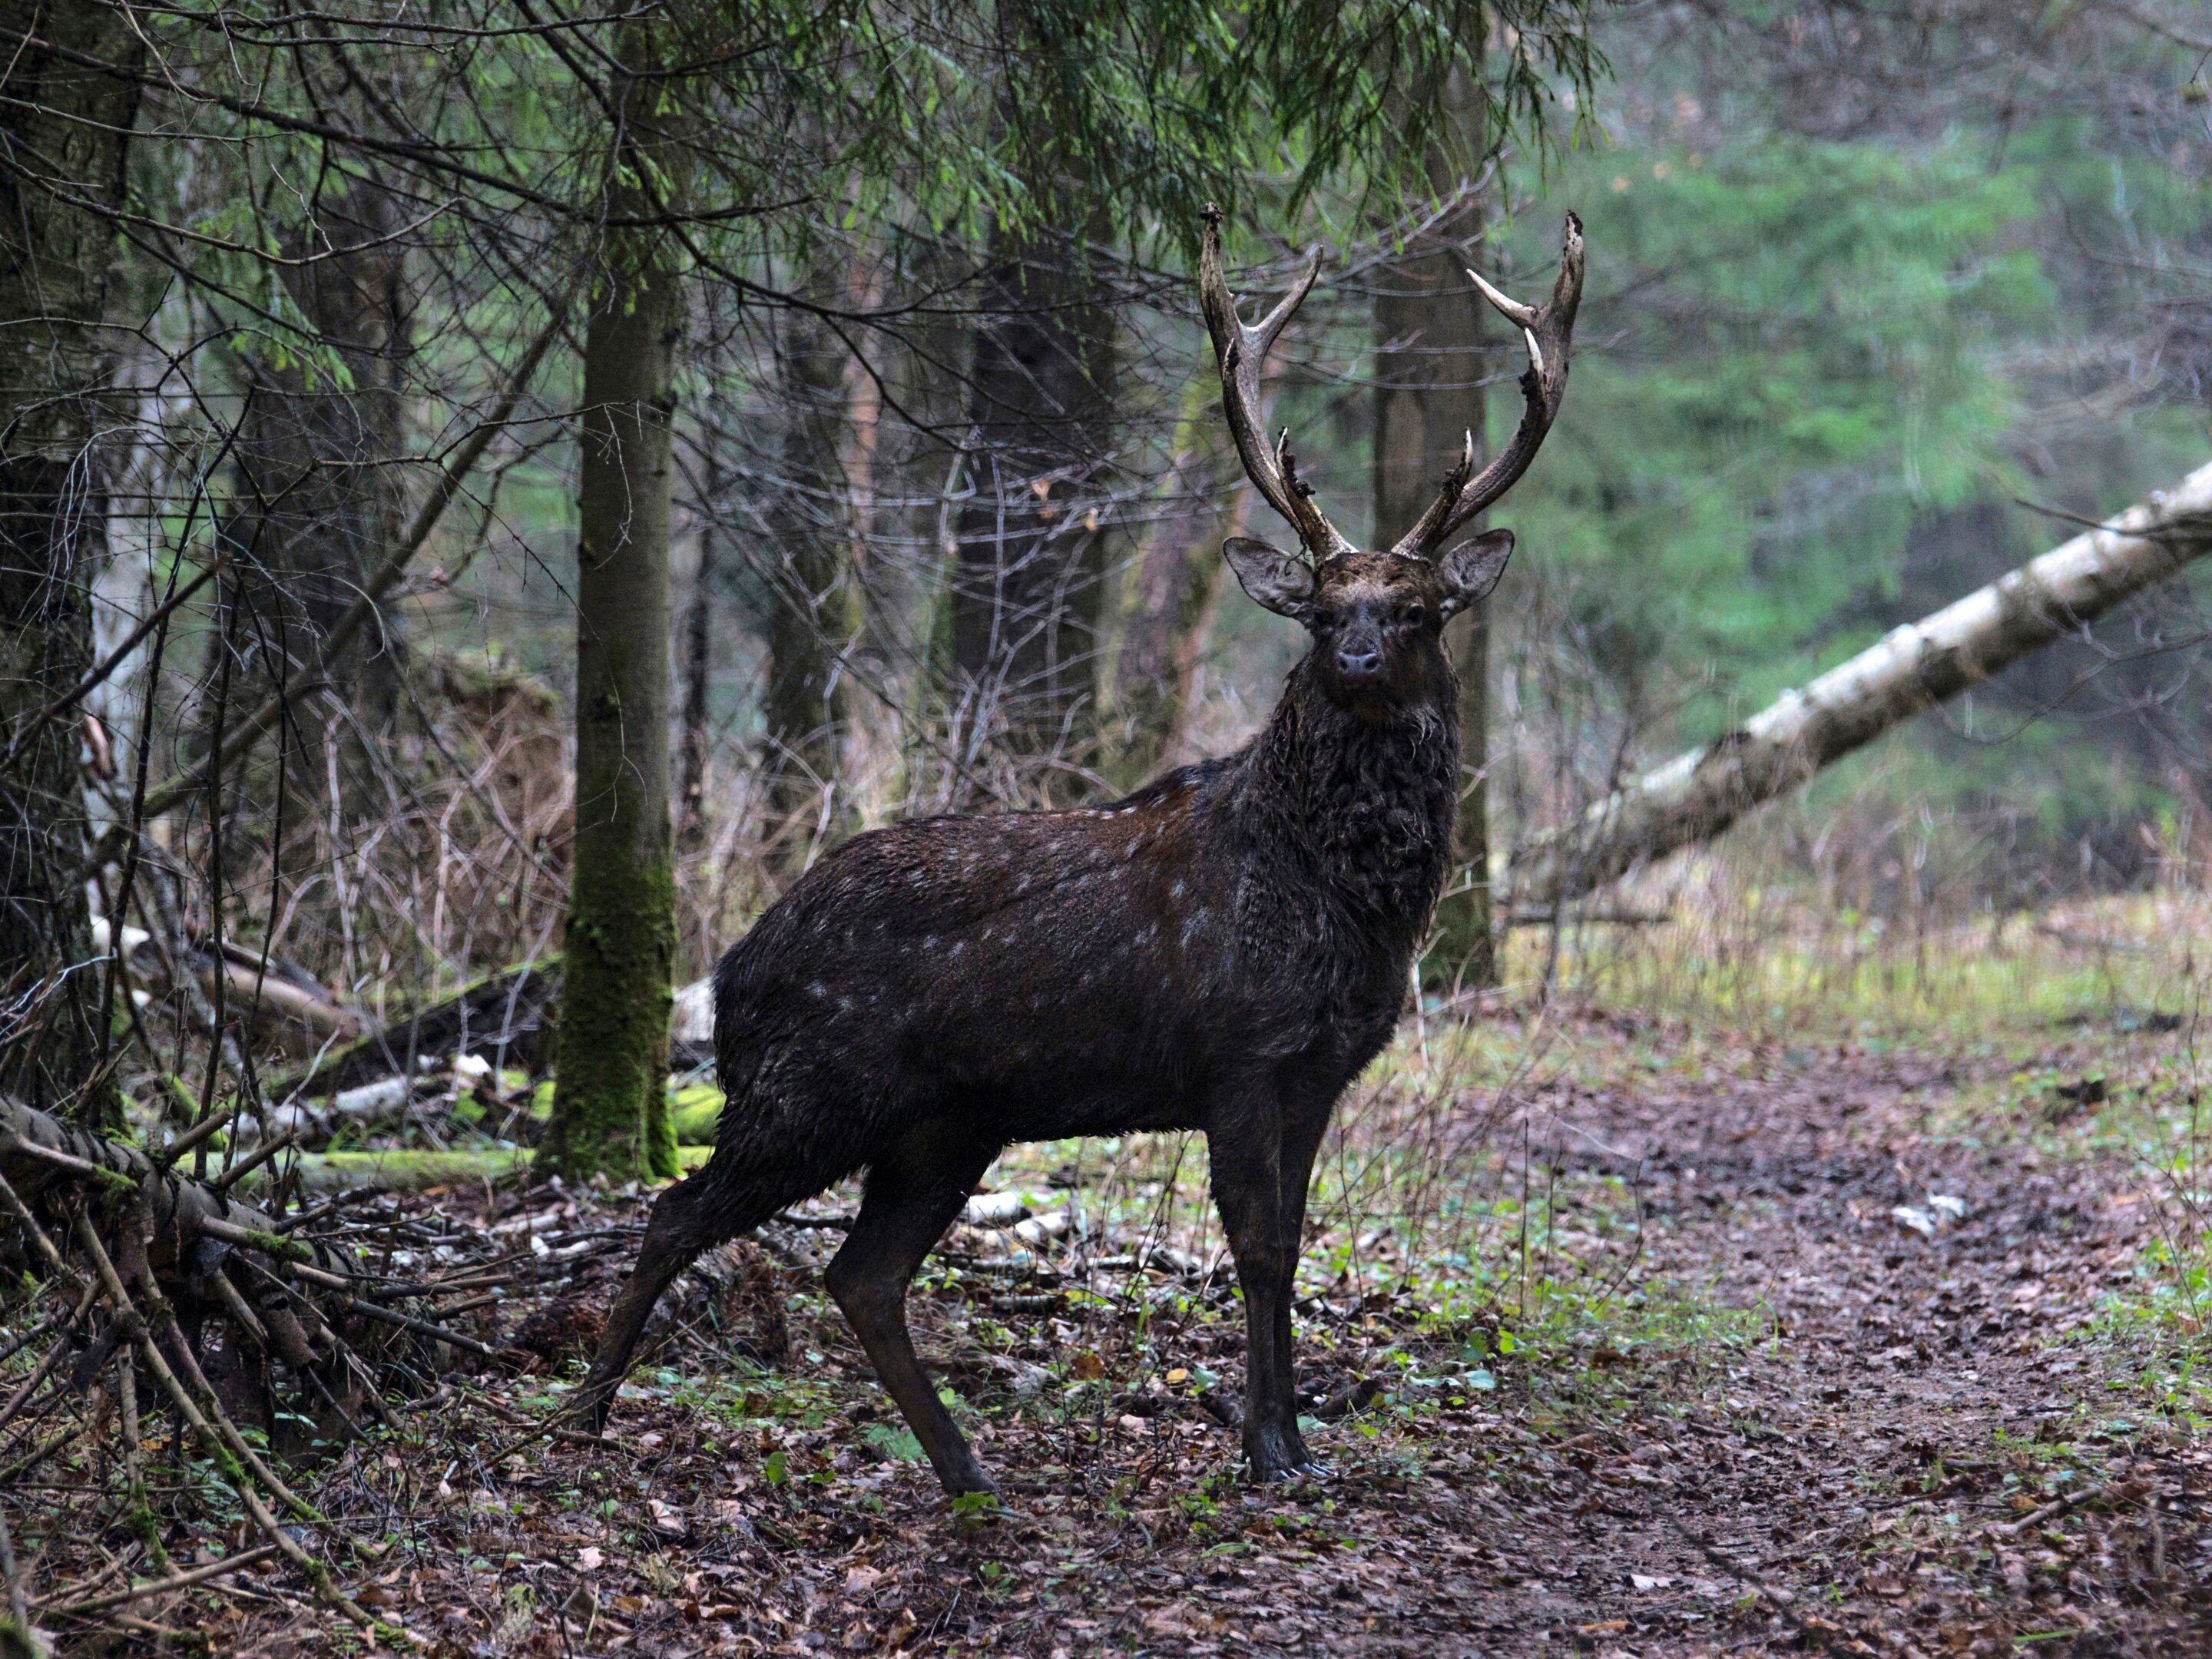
(1695, 796)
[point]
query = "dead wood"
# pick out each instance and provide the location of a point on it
(506, 1017)
(222, 1307)
(1697, 795)
(280, 1002)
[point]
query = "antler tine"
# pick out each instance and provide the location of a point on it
(1240, 352)
(1548, 329)
(1521, 317)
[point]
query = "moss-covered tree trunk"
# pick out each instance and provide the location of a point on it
(610, 1101)
(68, 127)
(1428, 396)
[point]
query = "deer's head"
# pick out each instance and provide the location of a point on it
(1377, 618)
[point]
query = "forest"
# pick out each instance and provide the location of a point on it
(757, 895)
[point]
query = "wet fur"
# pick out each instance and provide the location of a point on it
(1224, 950)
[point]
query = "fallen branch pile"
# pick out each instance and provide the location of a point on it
(155, 1296)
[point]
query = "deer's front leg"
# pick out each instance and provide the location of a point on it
(1301, 1140)
(1246, 1145)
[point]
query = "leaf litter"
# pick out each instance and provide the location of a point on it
(1774, 1417)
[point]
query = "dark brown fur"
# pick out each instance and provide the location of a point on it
(1222, 951)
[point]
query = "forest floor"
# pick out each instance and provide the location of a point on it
(1731, 1400)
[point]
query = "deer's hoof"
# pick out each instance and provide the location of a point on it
(1278, 1461)
(971, 1484)
(1306, 1468)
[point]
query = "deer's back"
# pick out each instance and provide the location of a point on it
(1058, 974)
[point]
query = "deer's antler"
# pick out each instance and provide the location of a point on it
(1240, 351)
(1548, 329)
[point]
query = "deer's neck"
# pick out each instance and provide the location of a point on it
(1363, 807)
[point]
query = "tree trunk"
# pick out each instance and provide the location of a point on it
(1028, 586)
(1428, 396)
(610, 1104)
(70, 123)
(698, 643)
(319, 508)
(811, 614)
(1697, 795)
(1176, 587)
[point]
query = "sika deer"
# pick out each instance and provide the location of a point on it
(1224, 950)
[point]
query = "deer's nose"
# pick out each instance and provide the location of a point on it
(1358, 663)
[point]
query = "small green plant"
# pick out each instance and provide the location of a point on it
(972, 1509)
(893, 1442)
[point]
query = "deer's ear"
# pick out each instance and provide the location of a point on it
(1470, 570)
(1275, 581)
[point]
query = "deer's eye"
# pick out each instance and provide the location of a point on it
(1414, 617)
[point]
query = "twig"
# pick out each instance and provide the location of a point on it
(219, 1446)
(2051, 1511)
(293, 1223)
(38, 1234)
(216, 1421)
(23, 1466)
(1571, 918)
(244, 1317)
(196, 1640)
(1781, 1600)
(211, 1125)
(16, 1401)
(254, 1160)
(134, 1457)
(74, 1164)
(296, 1256)
(421, 1327)
(115, 659)
(161, 1586)
(245, 732)
(2074, 941)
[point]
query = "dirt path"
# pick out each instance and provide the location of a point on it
(1834, 1488)
(1834, 1476)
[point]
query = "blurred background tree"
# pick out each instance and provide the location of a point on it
(397, 316)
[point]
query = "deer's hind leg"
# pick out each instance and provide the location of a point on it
(912, 1194)
(703, 1210)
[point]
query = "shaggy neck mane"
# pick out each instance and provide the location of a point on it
(1361, 807)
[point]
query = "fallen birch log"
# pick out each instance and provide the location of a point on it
(1695, 796)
